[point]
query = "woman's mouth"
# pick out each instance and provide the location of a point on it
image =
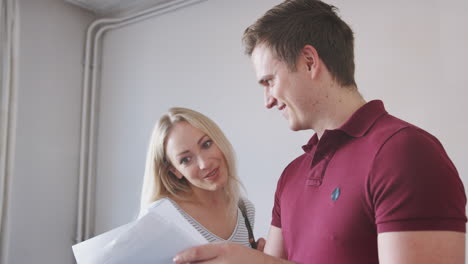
(212, 174)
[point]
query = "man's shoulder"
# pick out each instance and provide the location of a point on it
(388, 127)
(393, 130)
(396, 139)
(388, 124)
(406, 146)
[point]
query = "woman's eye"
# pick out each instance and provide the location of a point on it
(185, 160)
(208, 143)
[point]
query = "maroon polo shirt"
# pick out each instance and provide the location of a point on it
(374, 174)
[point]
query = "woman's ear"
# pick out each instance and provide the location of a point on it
(175, 172)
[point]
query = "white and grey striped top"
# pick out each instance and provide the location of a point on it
(240, 234)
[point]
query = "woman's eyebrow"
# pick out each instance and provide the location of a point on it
(200, 140)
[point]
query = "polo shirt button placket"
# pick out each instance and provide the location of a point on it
(316, 175)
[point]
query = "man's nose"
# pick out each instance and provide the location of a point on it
(270, 101)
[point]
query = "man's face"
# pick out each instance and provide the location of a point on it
(291, 92)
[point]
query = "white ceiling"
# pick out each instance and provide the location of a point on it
(115, 7)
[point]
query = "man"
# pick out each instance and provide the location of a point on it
(370, 188)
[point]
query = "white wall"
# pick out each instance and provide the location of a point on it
(43, 197)
(411, 54)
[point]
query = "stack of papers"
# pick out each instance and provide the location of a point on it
(156, 237)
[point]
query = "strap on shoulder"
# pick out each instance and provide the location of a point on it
(252, 241)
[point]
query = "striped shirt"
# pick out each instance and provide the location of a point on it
(240, 234)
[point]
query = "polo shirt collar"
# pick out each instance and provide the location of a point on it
(363, 119)
(310, 145)
(358, 124)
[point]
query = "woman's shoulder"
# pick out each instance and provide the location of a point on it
(246, 203)
(248, 208)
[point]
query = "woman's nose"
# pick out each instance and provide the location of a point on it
(203, 162)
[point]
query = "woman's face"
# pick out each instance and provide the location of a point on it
(194, 155)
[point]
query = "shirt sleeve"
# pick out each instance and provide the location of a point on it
(413, 185)
(276, 212)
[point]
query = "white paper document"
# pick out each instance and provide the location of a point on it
(154, 238)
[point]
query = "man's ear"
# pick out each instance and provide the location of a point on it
(310, 58)
(175, 172)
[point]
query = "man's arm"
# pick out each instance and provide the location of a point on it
(224, 253)
(274, 244)
(428, 247)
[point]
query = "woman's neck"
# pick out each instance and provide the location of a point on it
(203, 198)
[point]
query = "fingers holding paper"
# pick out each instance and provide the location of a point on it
(261, 244)
(218, 253)
(223, 253)
(202, 254)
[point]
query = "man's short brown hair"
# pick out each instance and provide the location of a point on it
(289, 26)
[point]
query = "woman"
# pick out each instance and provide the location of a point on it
(191, 164)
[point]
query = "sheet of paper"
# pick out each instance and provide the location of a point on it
(90, 249)
(154, 238)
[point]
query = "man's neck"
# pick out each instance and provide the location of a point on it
(341, 105)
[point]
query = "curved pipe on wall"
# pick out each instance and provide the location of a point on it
(8, 90)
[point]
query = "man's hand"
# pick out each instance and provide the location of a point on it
(223, 253)
(219, 253)
(261, 244)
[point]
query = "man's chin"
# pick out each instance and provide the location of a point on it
(293, 126)
(296, 127)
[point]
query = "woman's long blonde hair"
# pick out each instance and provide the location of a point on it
(159, 182)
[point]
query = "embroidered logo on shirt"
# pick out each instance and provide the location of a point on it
(336, 194)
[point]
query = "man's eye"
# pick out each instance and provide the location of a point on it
(268, 82)
(208, 143)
